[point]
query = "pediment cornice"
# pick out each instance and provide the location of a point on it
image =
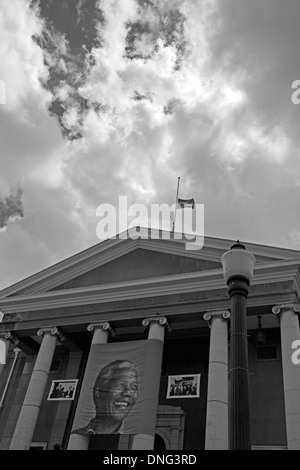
(110, 250)
(205, 281)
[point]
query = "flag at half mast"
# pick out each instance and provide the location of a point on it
(182, 203)
(186, 203)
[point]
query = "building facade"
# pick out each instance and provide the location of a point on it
(156, 295)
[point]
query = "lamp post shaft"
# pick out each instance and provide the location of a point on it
(239, 416)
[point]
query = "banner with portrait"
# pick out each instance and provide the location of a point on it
(119, 390)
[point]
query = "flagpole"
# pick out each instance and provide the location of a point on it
(178, 181)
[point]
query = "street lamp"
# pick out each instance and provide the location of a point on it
(259, 336)
(238, 266)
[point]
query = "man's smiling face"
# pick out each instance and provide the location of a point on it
(118, 396)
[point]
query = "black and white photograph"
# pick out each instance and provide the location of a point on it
(63, 389)
(111, 399)
(183, 386)
(149, 225)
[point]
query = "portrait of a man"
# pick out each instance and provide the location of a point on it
(114, 390)
(115, 393)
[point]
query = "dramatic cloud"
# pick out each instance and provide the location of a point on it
(70, 31)
(10, 208)
(33, 155)
(108, 98)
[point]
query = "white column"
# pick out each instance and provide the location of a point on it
(157, 326)
(101, 332)
(216, 436)
(32, 402)
(7, 338)
(289, 329)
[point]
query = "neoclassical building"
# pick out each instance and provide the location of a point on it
(149, 299)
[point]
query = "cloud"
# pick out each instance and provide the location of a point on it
(33, 155)
(150, 117)
(23, 67)
(69, 33)
(152, 109)
(109, 98)
(11, 208)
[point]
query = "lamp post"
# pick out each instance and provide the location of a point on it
(238, 272)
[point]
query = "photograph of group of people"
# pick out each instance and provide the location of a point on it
(62, 389)
(183, 386)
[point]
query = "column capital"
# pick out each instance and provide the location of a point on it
(105, 326)
(161, 320)
(277, 309)
(52, 330)
(8, 336)
(208, 316)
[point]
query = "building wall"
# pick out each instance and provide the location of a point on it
(267, 411)
(14, 396)
(188, 356)
(53, 415)
(181, 356)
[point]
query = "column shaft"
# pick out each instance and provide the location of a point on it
(32, 402)
(216, 437)
(289, 330)
(157, 327)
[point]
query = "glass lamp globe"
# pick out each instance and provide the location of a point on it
(238, 262)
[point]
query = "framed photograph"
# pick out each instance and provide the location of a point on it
(63, 389)
(184, 386)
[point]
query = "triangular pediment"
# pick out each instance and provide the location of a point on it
(139, 264)
(118, 260)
